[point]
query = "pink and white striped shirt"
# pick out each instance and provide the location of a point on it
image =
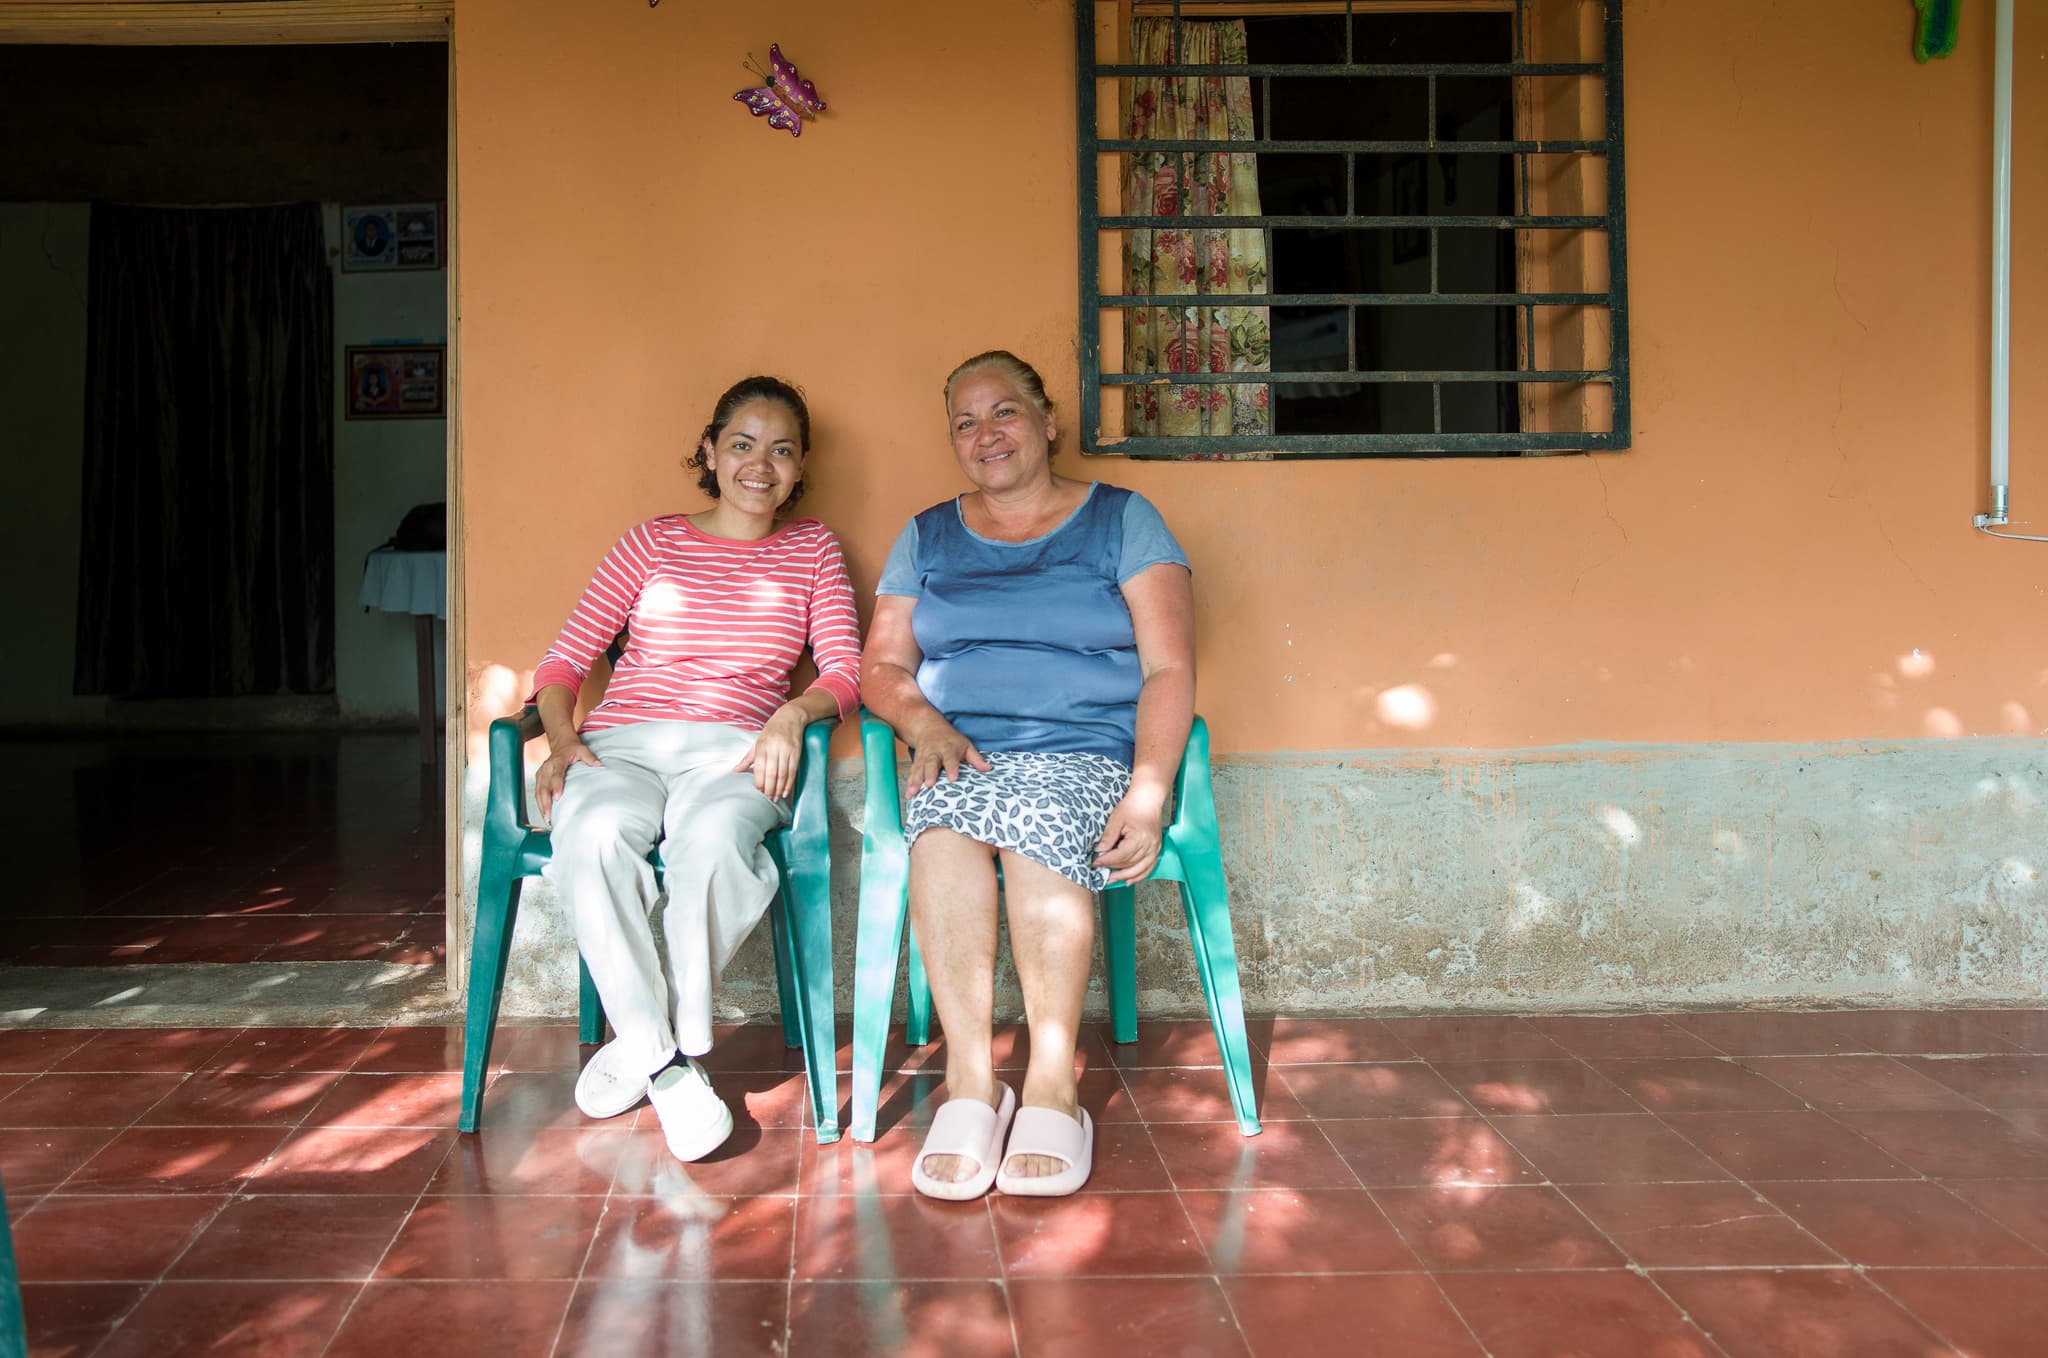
(714, 627)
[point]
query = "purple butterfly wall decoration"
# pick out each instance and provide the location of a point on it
(784, 98)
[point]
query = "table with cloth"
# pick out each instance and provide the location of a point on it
(414, 583)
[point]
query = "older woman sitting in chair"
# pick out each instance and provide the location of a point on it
(1033, 644)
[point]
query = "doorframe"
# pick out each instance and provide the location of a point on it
(177, 23)
(172, 23)
(454, 660)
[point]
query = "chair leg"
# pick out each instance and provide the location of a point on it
(786, 972)
(813, 934)
(1120, 959)
(497, 906)
(13, 1326)
(589, 1008)
(884, 909)
(917, 1015)
(1207, 900)
(803, 973)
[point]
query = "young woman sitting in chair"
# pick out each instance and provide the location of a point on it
(694, 746)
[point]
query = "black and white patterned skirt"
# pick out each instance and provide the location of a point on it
(1049, 807)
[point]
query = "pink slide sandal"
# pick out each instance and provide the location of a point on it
(972, 1130)
(1047, 1132)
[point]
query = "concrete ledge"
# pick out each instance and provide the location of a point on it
(207, 995)
(1570, 879)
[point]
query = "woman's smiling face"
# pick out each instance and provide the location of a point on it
(1002, 439)
(758, 457)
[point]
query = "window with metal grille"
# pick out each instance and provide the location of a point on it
(1351, 228)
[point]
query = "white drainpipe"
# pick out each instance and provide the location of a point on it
(2001, 280)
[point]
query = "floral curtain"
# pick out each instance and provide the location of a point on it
(1206, 337)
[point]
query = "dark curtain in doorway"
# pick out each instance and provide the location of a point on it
(207, 553)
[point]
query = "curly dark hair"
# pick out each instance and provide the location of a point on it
(738, 396)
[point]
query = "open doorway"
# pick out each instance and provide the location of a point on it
(218, 810)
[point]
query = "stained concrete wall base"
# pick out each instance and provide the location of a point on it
(1566, 879)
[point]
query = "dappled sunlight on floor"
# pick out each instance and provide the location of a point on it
(1675, 1186)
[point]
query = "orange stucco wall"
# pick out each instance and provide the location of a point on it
(1809, 227)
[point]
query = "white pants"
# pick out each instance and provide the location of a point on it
(669, 782)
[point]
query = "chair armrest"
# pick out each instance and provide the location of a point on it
(809, 826)
(1194, 797)
(884, 811)
(505, 802)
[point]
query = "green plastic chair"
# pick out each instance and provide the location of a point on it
(13, 1328)
(1192, 855)
(800, 918)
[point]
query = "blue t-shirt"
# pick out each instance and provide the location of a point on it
(1029, 645)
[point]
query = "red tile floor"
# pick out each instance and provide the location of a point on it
(1839, 1185)
(224, 848)
(1732, 1184)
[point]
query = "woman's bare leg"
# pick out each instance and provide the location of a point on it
(953, 909)
(1052, 941)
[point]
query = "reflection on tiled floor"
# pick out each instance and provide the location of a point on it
(224, 848)
(1819, 1185)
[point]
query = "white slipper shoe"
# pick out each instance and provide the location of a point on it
(1051, 1133)
(607, 1088)
(972, 1130)
(694, 1120)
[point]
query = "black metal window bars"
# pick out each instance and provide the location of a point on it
(1561, 406)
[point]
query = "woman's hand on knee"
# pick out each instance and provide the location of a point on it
(554, 771)
(940, 755)
(776, 753)
(1129, 847)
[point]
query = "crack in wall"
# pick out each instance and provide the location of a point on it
(1847, 310)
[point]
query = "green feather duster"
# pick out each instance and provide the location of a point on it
(1934, 33)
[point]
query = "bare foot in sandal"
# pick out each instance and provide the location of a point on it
(1051, 1145)
(1061, 1100)
(963, 1148)
(1045, 1135)
(953, 1168)
(1034, 1166)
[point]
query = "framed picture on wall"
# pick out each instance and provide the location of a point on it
(396, 381)
(388, 237)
